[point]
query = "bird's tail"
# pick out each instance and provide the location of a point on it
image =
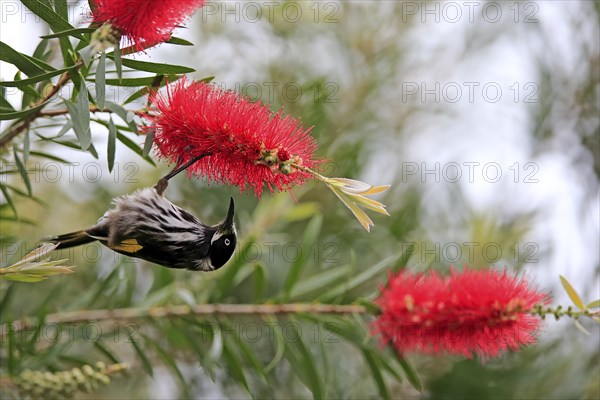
(69, 239)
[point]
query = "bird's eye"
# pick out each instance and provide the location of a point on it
(227, 242)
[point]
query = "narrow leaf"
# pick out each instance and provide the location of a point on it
(20, 84)
(179, 41)
(86, 55)
(146, 364)
(145, 81)
(233, 365)
(149, 66)
(100, 81)
(310, 236)
(376, 373)
(362, 277)
(40, 50)
(582, 328)
(5, 106)
(5, 116)
(66, 128)
(411, 374)
(111, 146)
(19, 60)
(26, 146)
(106, 351)
(57, 23)
(22, 171)
(9, 200)
(148, 143)
(81, 118)
(118, 60)
(573, 295)
(75, 32)
(309, 366)
(122, 113)
(279, 343)
(593, 304)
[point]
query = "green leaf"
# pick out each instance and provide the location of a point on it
(75, 32)
(19, 60)
(179, 41)
(573, 295)
(5, 106)
(80, 116)
(593, 304)
(111, 146)
(26, 146)
(245, 349)
(133, 146)
(48, 156)
(157, 83)
(362, 277)
(40, 50)
(66, 128)
(145, 81)
(21, 277)
(6, 299)
(22, 170)
(234, 367)
(146, 363)
(100, 81)
(152, 67)
(106, 351)
(148, 143)
(86, 55)
(118, 60)
(5, 116)
(122, 113)
(56, 22)
(62, 8)
(306, 365)
(9, 200)
(34, 79)
(321, 281)
(411, 374)
(310, 235)
(279, 343)
(376, 373)
(259, 279)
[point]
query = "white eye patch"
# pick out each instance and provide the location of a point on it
(227, 242)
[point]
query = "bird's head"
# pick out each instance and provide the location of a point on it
(224, 240)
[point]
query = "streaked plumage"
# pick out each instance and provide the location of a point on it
(148, 226)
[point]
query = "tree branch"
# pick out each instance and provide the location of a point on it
(73, 317)
(93, 109)
(62, 81)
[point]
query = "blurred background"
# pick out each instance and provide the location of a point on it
(483, 116)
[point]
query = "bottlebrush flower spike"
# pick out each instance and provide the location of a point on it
(143, 23)
(480, 312)
(250, 145)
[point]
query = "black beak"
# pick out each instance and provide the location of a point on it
(228, 223)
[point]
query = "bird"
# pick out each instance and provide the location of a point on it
(146, 225)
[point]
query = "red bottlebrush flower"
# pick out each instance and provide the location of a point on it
(144, 23)
(250, 145)
(474, 312)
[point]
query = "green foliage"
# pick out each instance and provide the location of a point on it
(32, 269)
(289, 252)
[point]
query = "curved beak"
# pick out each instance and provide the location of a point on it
(227, 225)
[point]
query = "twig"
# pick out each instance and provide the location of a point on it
(93, 109)
(73, 317)
(63, 80)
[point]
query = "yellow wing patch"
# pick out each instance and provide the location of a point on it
(128, 246)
